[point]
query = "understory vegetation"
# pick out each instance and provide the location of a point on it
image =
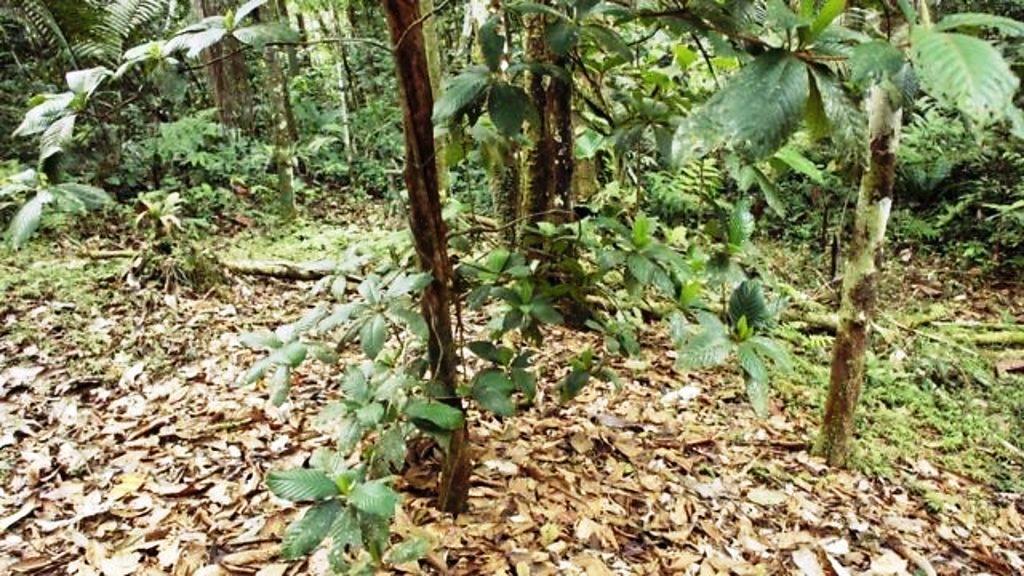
(573, 287)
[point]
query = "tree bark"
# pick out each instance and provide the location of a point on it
(285, 133)
(429, 233)
(550, 160)
(860, 279)
(228, 76)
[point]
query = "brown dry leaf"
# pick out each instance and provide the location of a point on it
(593, 565)
(126, 484)
(888, 563)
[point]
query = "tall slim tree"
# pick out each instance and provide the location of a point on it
(860, 279)
(284, 130)
(550, 160)
(227, 72)
(429, 231)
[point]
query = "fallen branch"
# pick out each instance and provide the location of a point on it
(281, 268)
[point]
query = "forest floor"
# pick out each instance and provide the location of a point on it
(126, 447)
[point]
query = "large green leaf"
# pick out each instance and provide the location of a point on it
(372, 335)
(1002, 24)
(460, 93)
(492, 44)
(26, 220)
(259, 35)
(301, 485)
(305, 534)
(751, 363)
(747, 301)
(56, 136)
(433, 416)
(778, 83)
(408, 550)
(375, 498)
(81, 196)
(492, 389)
(40, 116)
(508, 105)
(964, 72)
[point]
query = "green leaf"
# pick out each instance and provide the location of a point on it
(1001, 24)
(608, 40)
(265, 340)
(405, 284)
(751, 363)
(778, 80)
(375, 498)
(535, 8)
(740, 226)
(259, 35)
(372, 335)
(492, 44)
(485, 350)
(344, 533)
(370, 415)
(770, 191)
(280, 385)
(40, 116)
(792, 157)
(573, 384)
(525, 382)
(964, 73)
(773, 351)
(545, 312)
(562, 36)
(408, 550)
(292, 354)
(508, 106)
(830, 10)
(56, 136)
(85, 82)
(26, 220)
(85, 196)
(875, 61)
(434, 416)
(305, 534)
(747, 301)
(492, 389)
(301, 485)
(460, 93)
(412, 320)
(246, 9)
(641, 268)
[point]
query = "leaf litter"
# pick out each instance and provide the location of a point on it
(137, 454)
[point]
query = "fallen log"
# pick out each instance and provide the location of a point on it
(282, 269)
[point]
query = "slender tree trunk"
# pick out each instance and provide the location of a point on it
(550, 161)
(429, 233)
(284, 131)
(227, 73)
(860, 279)
(293, 55)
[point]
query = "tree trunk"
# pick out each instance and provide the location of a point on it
(227, 73)
(429, 233)
(860, 279)
(550, 160)
(281, 7)
(284, 123)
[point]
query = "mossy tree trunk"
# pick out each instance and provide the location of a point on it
(432, 45)
(429, 233)
(285, 132)
(860, 278)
